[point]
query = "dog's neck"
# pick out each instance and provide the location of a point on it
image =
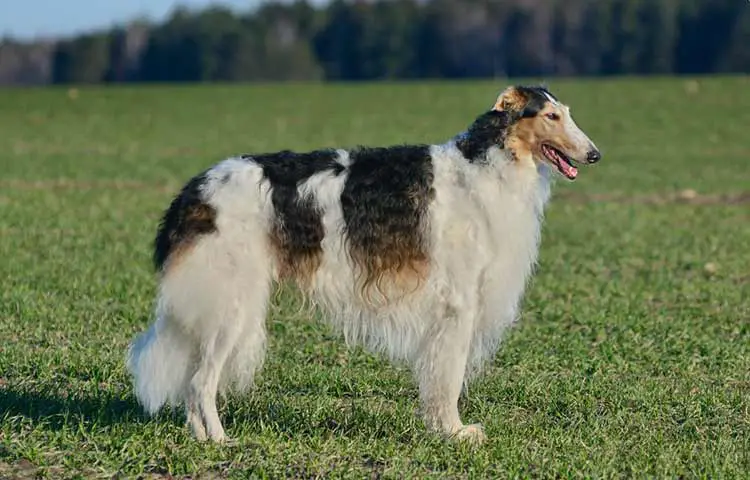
(485, 133)
(520, 174)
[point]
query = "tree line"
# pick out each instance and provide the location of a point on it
(399, 39)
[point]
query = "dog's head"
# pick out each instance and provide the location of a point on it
(540, 126)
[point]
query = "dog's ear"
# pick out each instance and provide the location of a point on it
(511, 100)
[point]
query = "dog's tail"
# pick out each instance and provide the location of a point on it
(159, 360)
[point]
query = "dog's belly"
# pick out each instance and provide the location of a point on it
(389, 319)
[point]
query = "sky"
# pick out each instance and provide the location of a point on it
(27, 19)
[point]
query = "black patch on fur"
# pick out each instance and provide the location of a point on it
(488, 130)
(298, 228)
(289, 168)
(536, 99)
(384, 202)
(187, 217)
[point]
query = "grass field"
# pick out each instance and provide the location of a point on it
(632, 357)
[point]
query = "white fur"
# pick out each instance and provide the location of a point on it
(483, 230)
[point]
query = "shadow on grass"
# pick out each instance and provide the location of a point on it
(59, 410)
(301, 416)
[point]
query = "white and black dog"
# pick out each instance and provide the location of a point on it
(421, 252)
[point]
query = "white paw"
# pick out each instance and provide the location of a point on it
(218, 436)
(473, 433)
(199, 432)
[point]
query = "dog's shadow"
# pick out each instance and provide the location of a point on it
(293, 413)
(57, 411)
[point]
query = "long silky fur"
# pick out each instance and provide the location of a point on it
(446, 236)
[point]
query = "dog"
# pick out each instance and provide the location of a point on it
(419, 252)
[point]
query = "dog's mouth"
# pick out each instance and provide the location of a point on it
(561, 161)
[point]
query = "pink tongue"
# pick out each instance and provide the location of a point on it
(569, 170)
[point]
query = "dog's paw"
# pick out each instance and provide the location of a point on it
(196, 426)
(218, 436)
(223, 440)
(473, 434)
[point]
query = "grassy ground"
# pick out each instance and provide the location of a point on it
(632, 357)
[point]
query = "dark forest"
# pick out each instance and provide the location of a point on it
(399, 39)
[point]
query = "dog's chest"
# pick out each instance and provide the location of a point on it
(512, 216)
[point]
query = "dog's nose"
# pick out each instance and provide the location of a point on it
(593, 156)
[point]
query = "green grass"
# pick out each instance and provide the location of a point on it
(632, 357)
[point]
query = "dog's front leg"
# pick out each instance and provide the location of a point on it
(441, 366)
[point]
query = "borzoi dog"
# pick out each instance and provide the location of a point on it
(421, 252)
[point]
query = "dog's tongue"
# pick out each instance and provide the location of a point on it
(568, 170)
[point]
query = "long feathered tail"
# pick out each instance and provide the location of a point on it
(160, 361)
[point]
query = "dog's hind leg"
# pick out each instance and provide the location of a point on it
(441, 365)
(217, 294)
(230, 356)
(201, 397)
(201, 410)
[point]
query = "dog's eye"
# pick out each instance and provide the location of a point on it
(553, 116)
